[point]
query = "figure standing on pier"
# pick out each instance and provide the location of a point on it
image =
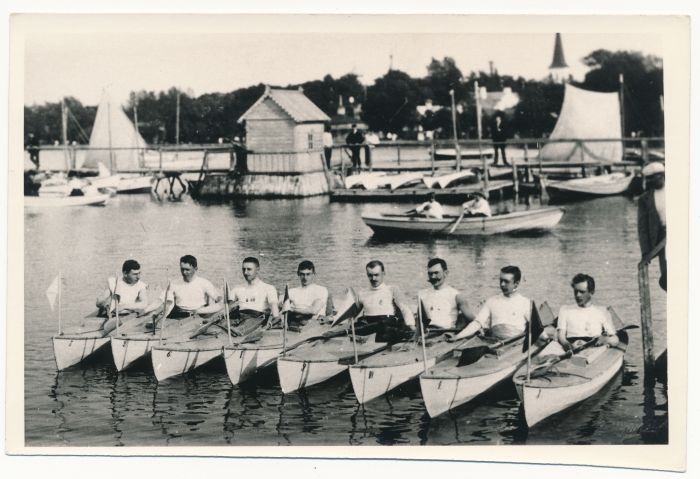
(651, 214)
(499, 134)
(354, 140)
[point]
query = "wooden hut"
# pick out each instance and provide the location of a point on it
(284, 137)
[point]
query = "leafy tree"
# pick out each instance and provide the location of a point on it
(391, 103)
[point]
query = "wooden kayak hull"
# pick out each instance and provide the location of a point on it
(568, 383)
(448, 385)
(71, 349)
(176, 358)
(542, 219)
(386, 370)
(317, 361)
(128, 350)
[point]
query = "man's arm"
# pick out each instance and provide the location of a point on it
(104, 299)
(609, 335)
(406, 312)
(274, 305)
(561, 330)
(481, 320)
(463, 307)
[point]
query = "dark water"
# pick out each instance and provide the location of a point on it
(93, 405)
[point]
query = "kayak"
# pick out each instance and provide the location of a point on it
(319, 360)
(243, 360)
(445, 181)
(386, 370)
(570, 381)
(449, 385)
(540, 219)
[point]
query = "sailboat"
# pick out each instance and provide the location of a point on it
(116, 144)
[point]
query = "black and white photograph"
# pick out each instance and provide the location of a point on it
(349, 231)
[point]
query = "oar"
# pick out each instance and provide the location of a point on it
(456, 223)
(422, 334)
(544, 368)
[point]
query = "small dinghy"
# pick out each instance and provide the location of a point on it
(602, 185)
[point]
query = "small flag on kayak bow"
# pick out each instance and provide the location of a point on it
(286, 302)
(53, 291)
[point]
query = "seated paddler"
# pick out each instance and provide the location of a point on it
(128, 290)
(506, 315)
(193, 294)
(309, 301)
(253, 302)
(384, 309)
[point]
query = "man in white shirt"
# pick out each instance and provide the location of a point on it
(584, 321)
(252, 301)
(442, 304)
(379, 304)
(478, 205)
(429, 209)
(193, 294)
(131, 293)
(308, 301)
(506, 315)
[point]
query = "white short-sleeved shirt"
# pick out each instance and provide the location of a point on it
(511, 311)
(440, 306)
(478, 205)
(128, 293)
(431, 209)
(378, 301)
(327, 139)
(587, 322)
(304, 296)
(193, 295)
(257, 296)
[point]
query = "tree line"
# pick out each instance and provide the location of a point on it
(388, 105)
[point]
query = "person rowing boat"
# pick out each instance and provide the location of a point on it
(444, 306)
(309, 300)
(379, 305)
(429, 209)
(252, 301)
(477, 205)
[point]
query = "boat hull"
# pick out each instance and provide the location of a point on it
(525, 221)
(297, 374)
(604, 185)
(70, 349)
(242, 364)
(181, 357)
(67, 201)
(126, 351)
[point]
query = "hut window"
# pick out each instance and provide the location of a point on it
(311, 141)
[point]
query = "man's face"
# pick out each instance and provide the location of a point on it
(507, 283)
(187, 271)
(581, 293)
(132, 277)
(375, 276)
(250, 271)
(436, 275)
(306, 277)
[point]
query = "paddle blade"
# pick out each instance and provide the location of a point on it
(286, 303)
(472, 355)
(535, 325)
(423, 314)
(617, 322)
(546, 315)
(347, 307)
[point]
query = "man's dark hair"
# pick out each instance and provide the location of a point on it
(439, 261)
(374, 263)
(253, 260)
(130, 265)
(580, 278)
(514, 270)
(189, 259)
(306, 264)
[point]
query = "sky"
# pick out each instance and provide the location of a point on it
(82, 64)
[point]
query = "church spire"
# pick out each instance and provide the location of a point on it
(558, 60)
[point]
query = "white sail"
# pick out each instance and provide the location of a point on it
(586, 115)
(113, 129)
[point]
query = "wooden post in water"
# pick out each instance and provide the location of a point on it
(515, 177)
(432, 157)
(645, 306)
(398, 155)
(160, 158)
(458, 156)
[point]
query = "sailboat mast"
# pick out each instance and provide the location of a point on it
(136, 131)
(64, 133)
(622, 104)
(109, 137)
(177, 119)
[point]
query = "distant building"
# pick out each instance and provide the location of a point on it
(428, 107)
(493, 101)
(559, 70)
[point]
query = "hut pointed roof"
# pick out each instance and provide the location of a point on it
(558, 60)
(294, 103)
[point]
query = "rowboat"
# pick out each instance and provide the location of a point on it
(448, 385)
(135, 342)
(174, 357)
(243, 360)
(99, 199)
(570, 381)
(317, 361)
(531, 220)
(388, 369)
(445, 181)
(602, 185)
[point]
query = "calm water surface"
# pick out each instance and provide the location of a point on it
(93, 405)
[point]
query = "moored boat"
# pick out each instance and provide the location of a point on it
(388, 369)
(570, 381)
(319, 360)
(71, 349)
(541, 219)
(445, 181)
(364, 180)
(601, 185)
